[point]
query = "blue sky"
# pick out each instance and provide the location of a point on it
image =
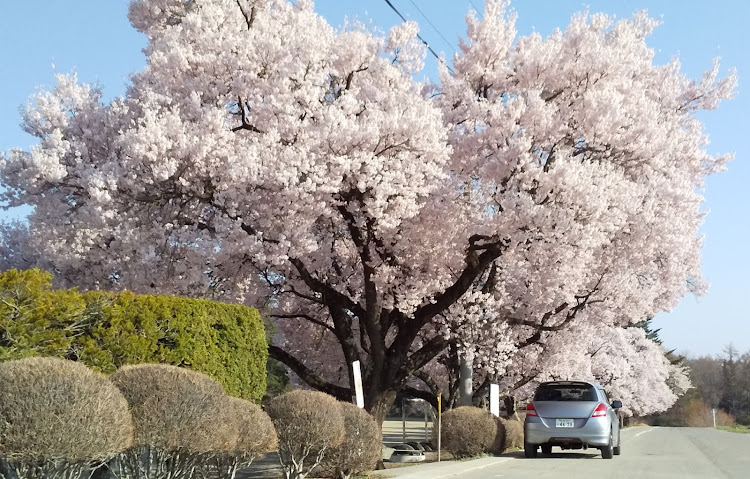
(94, 38)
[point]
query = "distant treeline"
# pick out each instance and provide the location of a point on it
(720, 382)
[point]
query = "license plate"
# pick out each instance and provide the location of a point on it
(564, 423)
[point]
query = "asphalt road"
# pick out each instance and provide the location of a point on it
(646, 453)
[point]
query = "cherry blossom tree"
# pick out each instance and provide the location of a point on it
(631, 367)
(262, 157)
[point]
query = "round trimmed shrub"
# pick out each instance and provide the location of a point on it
(509, 435)
(467, 431)
(308, 424)
(174, 409)
(513, 433)
(57, 413)
(250, 434)
(500, 443)
(361, 449)
(176, 416)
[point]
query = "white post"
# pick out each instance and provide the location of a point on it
(403, 418)
(495, 399)
(359, 395)
(439, 416)
(713, 413)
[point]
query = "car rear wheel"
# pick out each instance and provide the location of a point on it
(617, 449)
(546, 449)
(608, 451)
(529, 450)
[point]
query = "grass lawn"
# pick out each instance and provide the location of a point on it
(739, 428)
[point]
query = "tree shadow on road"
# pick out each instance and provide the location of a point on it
(587, 454)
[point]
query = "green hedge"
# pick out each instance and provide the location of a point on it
(108, 330)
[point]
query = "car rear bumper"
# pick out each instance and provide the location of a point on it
(595, 432)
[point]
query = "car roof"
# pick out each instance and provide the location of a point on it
(571, 382)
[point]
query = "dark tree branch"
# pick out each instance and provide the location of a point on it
(522, 382)
(330, 295)
(339, 306)
(481, 390)
(249, 19)
(342, 323)
(428, 381)
(533, 339)
(425, 354)
(419, 393)
(363, 339)
(309, 376)
(582, 301)
(390, 147)
(243, 116)
(475, 264)
(350, 77)
(372, 311)
(489, 285)
(306, 317)
(306, 297)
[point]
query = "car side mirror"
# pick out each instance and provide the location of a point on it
(616, 404)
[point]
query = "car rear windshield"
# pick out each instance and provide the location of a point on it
(565, 392)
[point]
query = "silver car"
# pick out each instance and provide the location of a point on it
(572, 415)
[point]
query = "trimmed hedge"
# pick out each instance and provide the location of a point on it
(108, 330)
(36, 320)
(467, 432)
(225, 341)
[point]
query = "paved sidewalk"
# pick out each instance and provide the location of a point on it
(444, 469)
(268, 466)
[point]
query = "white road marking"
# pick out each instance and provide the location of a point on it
(474, 468)
(644, 432)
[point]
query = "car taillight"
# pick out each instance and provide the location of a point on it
(530, 411)
(600, 411)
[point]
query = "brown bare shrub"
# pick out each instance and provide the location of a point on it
(308, 424)
(361, 449)
(252, 436)
(467, 431)
(509, 435)
(175, 415)
(500, 443)
(697, 413)
(57, 417)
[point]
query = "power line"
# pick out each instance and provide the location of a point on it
(420, 37)
(433, 26)
(475, 7)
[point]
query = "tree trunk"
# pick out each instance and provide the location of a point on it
(466, 384)
(380, 404)
(510, 406)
